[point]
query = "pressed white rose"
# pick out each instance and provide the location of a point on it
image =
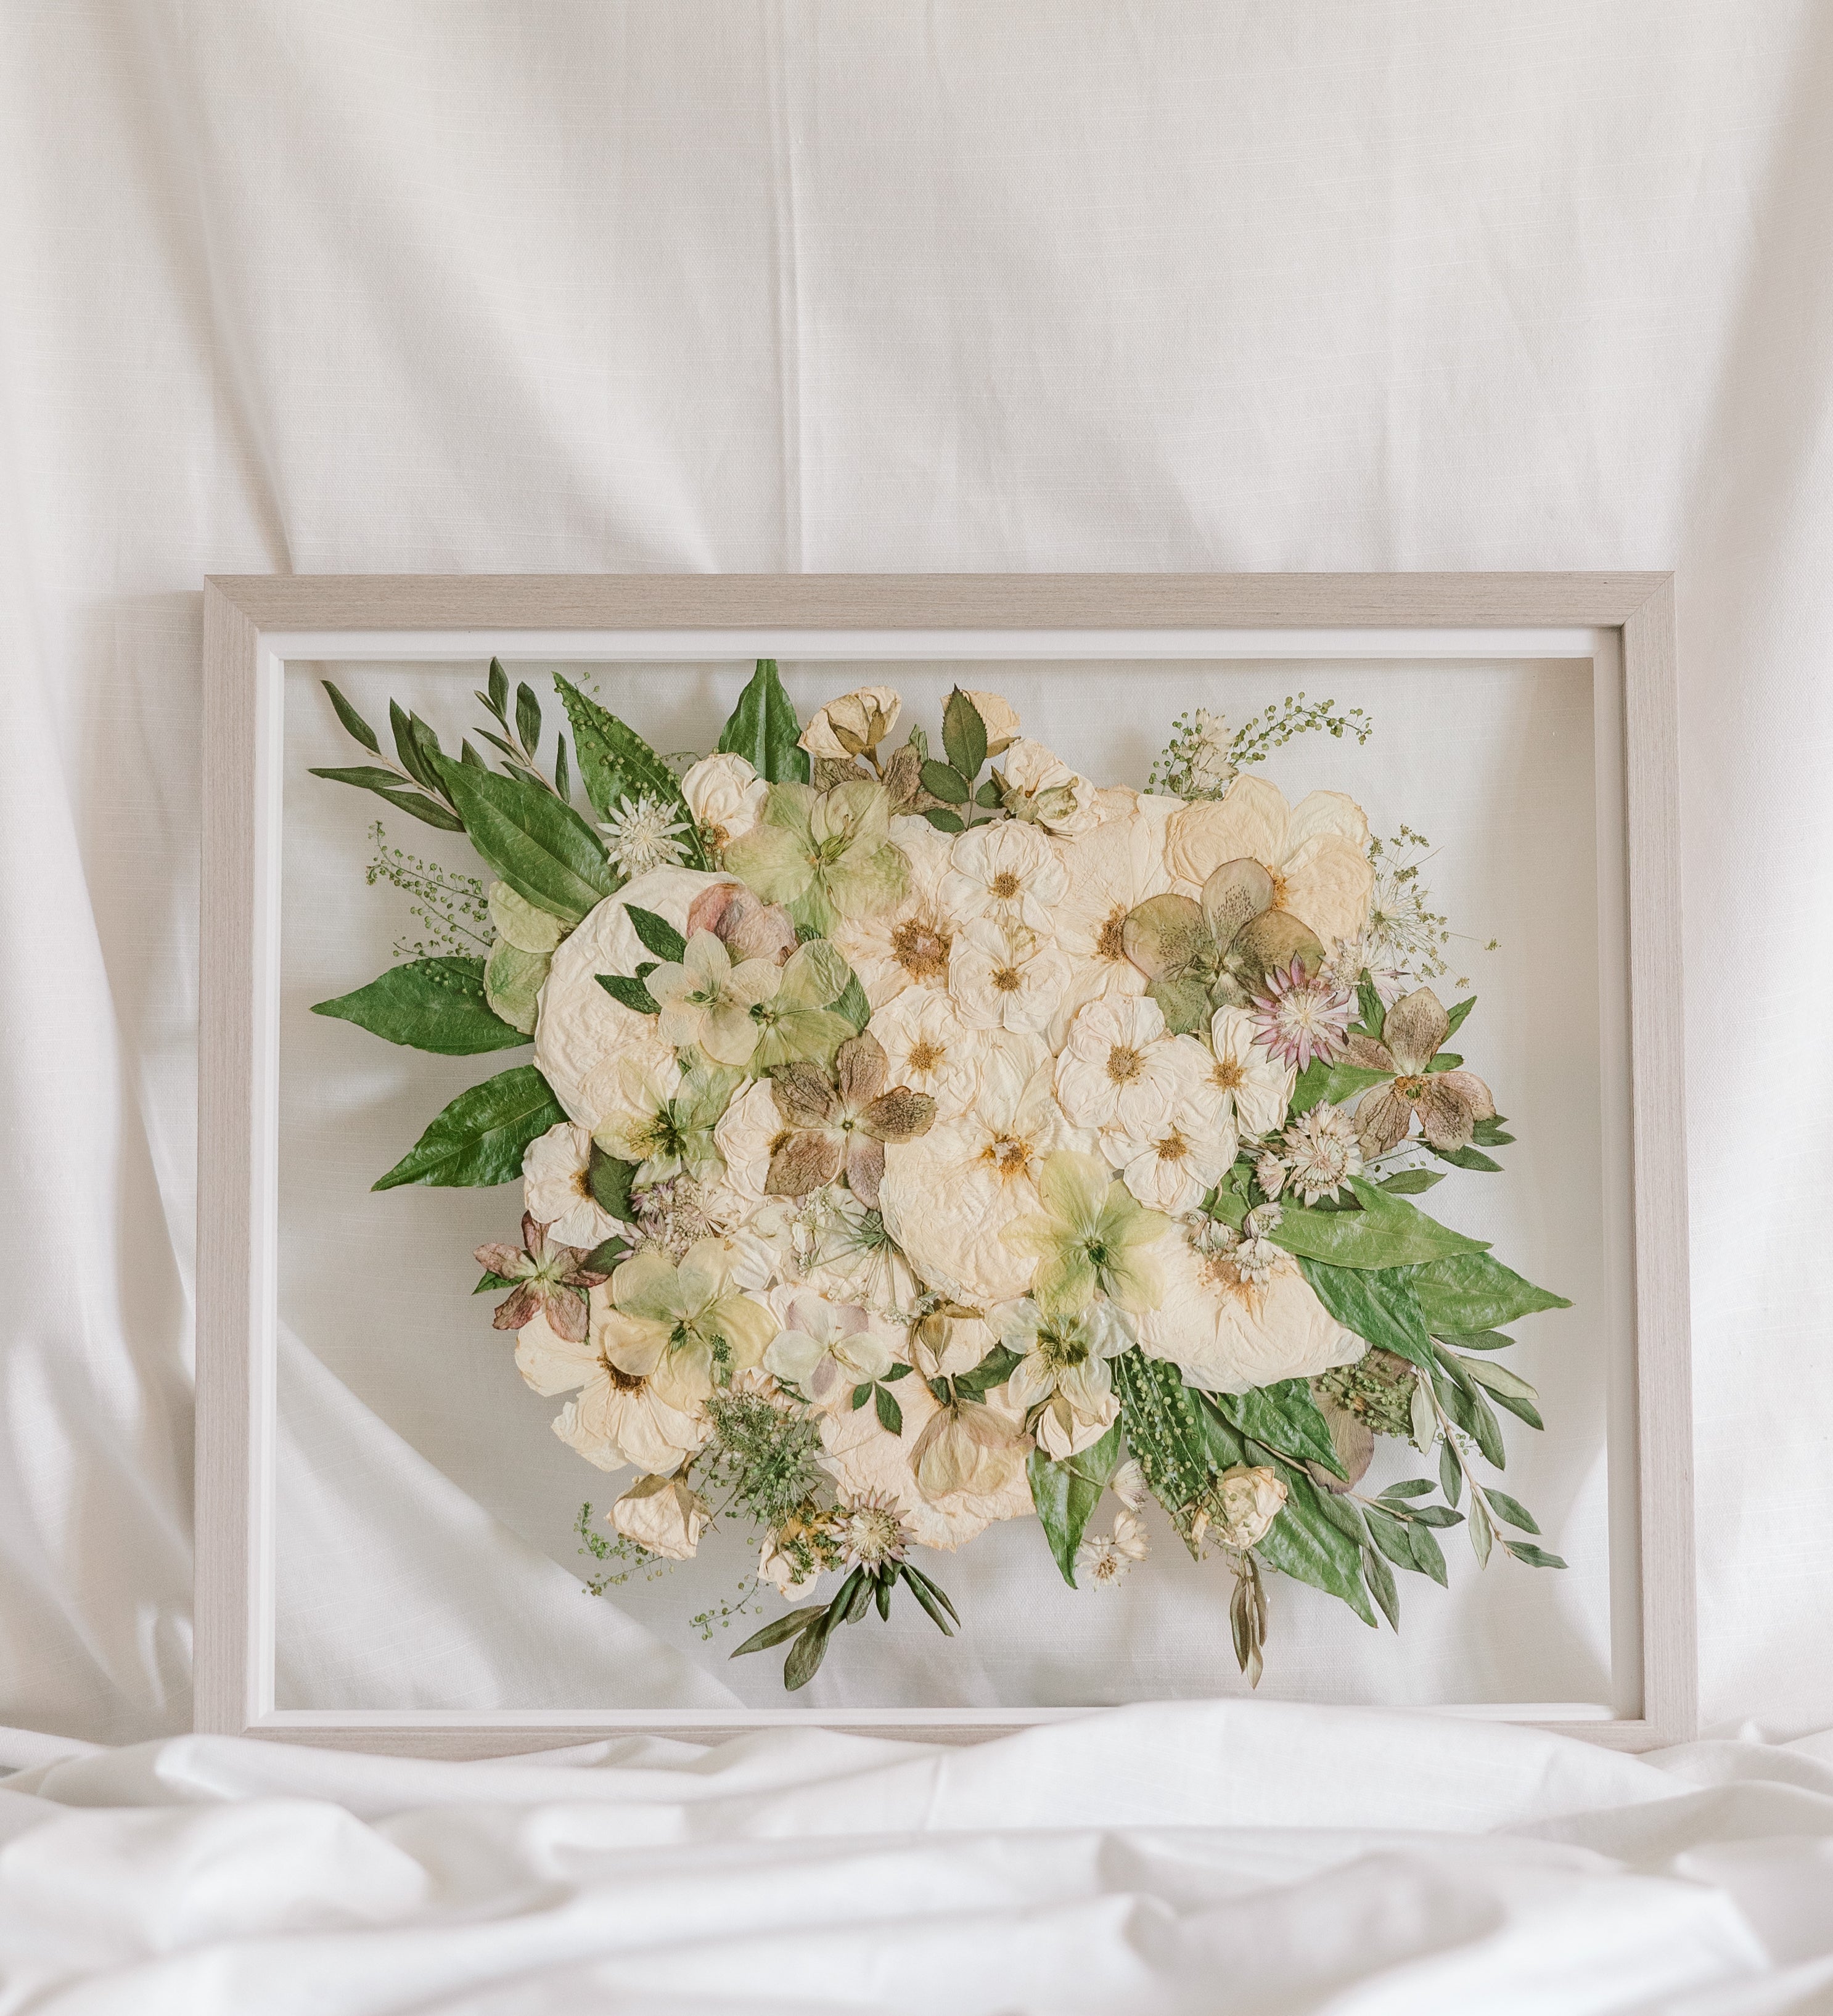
(855, 722)
(1120, 1069)
(1005, 977)
(1108, 871)
(948, 1196)
(827, 1348)
(662, 1514)
(866, 1460)
(1316, 851)
(615, 1420)
(1226, 1332)
(725, 795)
(998, 716)
(582, 1031)
(1252, 1499)
(555, 1189)
(1037, 785)
(929, 1048)
(1249, 1085)
(1173, 1166)
(1005, 871)
(907, 947)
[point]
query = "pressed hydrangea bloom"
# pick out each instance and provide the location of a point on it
(1005, 871)
(683, 1328)
(1005, 977)
(1301, 1017)
(643, 833)
(1320, 1152)
(557, 1189)
(662, 1119)
(1449, 1103)
(827, 855)
(1090, 1235)
(1316, 851)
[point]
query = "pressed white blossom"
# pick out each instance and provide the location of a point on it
(1109, 870)
(1119, 1067)
(1005, 977)
(555, 1191)
(643, 833)
(663, 1514)
(1316, 852)
(1104, 1559)
(1173, 1166)
(907, 946)
(1005, 871)
(827, 1348)
(1251, 1085)
(616, 1419)
(928, 1047)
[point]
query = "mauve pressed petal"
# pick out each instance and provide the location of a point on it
(1383, 1120)
(1367, 1054)
(804, 1162)
(864, 1168)
(566, 1316)
(520, 1310)
(1415, 1030)
(900, 1114)
(510, 1262)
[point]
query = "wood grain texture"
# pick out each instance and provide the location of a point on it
(1658, 1075)
(225, 1174)
(939, 601)
(239, 608)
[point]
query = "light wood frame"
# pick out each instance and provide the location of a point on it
(235, 1279)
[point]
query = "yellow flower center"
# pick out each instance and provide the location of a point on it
(1124, 1065)
(924, 1056)
(1007, 980)
(1410, 1088)
(1111, 943)
(1009, 1156)
(1005, 885)
(1174, 1147)
(1278, 886)
(919, 948)
(1227, 1075)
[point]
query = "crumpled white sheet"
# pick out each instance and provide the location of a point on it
(1160, 1859)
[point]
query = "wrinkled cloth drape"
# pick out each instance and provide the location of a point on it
(368, 286)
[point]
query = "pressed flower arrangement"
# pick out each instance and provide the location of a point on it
(917, 1138)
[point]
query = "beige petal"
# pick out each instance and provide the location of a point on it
(864, 1168)
(550, 1364)
(1164, 935)
(1251, 822)
(900, 1114)
(1328, 882)
(1383, 1120)
(1366, 1054)
(1238, 890)
(804, 1162)
(1449, 1106)
(1416, 1030)
(1327, 811)
(804, 1097)
(859, 1065)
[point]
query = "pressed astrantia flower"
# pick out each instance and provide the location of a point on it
(643, 833)
(1300, 1017)
(551, 1280)
(1092, 1235)
(1321, 1152)
(871, 1532)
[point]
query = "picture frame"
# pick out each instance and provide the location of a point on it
(254, 624)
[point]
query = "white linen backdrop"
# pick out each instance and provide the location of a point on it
(375, 287)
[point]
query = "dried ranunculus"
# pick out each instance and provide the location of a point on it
(662, 1514)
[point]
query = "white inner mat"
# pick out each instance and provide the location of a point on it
(1496, 761)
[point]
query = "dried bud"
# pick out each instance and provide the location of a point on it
(998, 716)
(949, 1341)
(1245, 1503)
(663, 1515)
(853, 724)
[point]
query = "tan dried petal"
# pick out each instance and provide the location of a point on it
(1164, 935)
(1451, 1104)
(1416, 1029)
(829, 771)
(1383, 1120)
(860, 1065)
(903, 779)
(1352, 1439)
(803, 1096)
(900, 1114)
(803, 1163)
(864, 1168)
(1367, 1054)
(1273, 940)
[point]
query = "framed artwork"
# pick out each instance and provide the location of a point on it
(939, 1153)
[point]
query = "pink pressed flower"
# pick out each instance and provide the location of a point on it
(1299, 1017)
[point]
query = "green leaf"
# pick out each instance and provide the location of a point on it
(933, 1600)
(1380, 1578)
(479, 1138)
(1434, 1515)
(431, 1004)
(1467, 1158)
(1461, 1400)
(988, 796)
(1499, 1379)
(788, 1625)
(1414, 1487)
(1066, 1494)
(1482, 1534)
(890, 1416)
(657, 934)
(500, 690)
(853, 1003)
(563, 781)
(763, 730)
(811, 1648)
(1379, 1307)
(403, 801)
(1489, 1134)
(425, 747)
(1475, 1340)
(994, 1369)
(407, 749)
(1450, 1473)
(496, 1284)
(1319, 1081)
(1512, 1509)
(354, 724)
(1386, 1233)
(631, 992)
(1445, 1061)
(964, 735)
(1368, 1005)
(1304, 1543)
(942, 782)
(1285, 1417)
(1428, 1557)
(616, 763)
(469, 756)
(1525, 1409)
(543, 849)
(1534, 1557)
(1455, 1014)
(1411, 1182)
(943, 820)
(603, 1257)
(609, 1181)
(898, 1372)
(528, 718)
(1389, 1534)
(1470, 1291)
